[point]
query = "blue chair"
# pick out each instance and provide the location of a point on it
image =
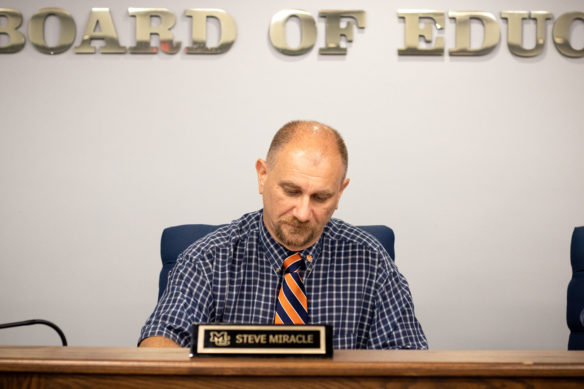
(176, 239)
(575, 307)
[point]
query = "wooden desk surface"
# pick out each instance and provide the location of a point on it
(143, 367)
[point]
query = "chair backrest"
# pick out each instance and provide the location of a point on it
(575, 306)
(176, 239)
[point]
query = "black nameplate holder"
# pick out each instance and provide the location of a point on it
(262, 340)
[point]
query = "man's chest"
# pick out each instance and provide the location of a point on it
(335, 292)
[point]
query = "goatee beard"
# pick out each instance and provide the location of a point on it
(301, 235)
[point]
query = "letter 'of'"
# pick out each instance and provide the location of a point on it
(278, 31)
(334, 31)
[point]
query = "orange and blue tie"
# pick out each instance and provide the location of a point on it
(292, 306)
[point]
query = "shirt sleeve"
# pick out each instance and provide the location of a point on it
(395, 325)
(186, 300)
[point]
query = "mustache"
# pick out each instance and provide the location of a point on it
(295, 223)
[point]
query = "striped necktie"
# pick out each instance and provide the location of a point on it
(292, 307)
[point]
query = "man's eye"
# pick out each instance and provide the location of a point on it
(320, 199)
(291, 192)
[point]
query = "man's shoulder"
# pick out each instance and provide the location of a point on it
(341, 231)
(228, 235)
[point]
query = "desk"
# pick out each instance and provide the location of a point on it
(105, 367)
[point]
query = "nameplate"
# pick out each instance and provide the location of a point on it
(262, 340)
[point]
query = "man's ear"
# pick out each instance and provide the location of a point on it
(262, 171)
(344, 185)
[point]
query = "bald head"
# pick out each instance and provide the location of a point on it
(301, 182)
(304, 132)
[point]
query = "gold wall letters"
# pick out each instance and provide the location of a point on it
(16, 39)
(426, 25)
(462, 37)
(199, 35)
(100, 17)
(144, 29)
(334, 31)
(561, 34)
(36, 30)
(413, 32)
(277, 31)
(515, 31)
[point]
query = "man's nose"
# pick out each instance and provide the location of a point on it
(302, 208)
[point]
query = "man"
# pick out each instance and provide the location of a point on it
(234, 274)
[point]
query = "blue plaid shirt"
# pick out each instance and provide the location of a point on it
(234, 274)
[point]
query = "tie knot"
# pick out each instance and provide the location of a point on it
(293, 263)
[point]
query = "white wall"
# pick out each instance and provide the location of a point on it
(477, 164)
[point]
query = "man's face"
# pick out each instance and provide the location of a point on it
(301, 189)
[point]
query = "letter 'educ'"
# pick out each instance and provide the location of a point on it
(414, 30)
(491, 37)
(515, 31)
(16, 38)
(561, 34)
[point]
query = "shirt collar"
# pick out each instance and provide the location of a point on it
(276, 253)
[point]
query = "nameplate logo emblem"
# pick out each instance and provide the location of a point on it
(220, 339)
